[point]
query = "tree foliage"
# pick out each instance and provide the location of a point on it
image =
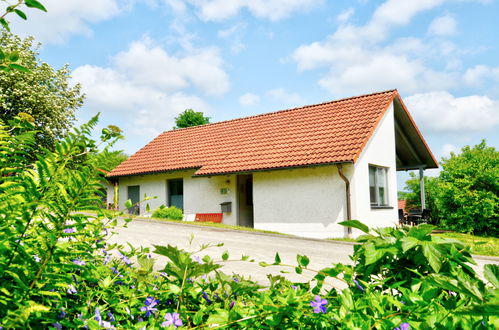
(108, 160)
(43, 93)
(190, 118)
(469, 190)
(413, 194)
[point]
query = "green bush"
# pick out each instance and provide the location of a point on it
(171, 213)
(468, 198)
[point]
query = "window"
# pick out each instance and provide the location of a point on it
(378, 185)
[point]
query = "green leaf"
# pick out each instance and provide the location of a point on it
(35, 4)
(298, 270)
(303, 261)
(5, 24)
(220, 318)
(433, 255)
(372, 253)
(421, 231)
(175, 289)
(491, 272)
(128, 204)
(2, 55)
(355, 224)
(409, 242)
(14, 56)
(21, 14)
(277, 259)
(225, 255)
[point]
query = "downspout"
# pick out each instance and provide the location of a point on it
(116, 197)
(347, 192)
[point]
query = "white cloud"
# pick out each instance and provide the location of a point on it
(151, 65)
(443, 26)
(234, 35)
(478, 74)
(360, 58)
(447, 149)
(345, 15)
(285, 98)
(274, 10)
(66, 17)
(441, 112)
(149, 86)
(249, 99)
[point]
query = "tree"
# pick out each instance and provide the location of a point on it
(43, 93)
(412, 195)
(190, 118)
(108, 160)
(468, 198)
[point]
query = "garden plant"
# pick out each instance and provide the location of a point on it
(58, 269)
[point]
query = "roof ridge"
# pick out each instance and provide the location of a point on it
(282, 110)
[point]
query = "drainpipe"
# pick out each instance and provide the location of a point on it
(347, 191)
(116, 197)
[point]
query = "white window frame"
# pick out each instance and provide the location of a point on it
(376, 202)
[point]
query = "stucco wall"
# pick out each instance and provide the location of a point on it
(201, 194)
(380, 150)
(305, 202)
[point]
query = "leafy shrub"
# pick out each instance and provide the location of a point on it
(469, 191)
(58, 269)
(171, 212)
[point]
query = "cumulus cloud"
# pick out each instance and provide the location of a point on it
(441, 112)
(149, 86)
(479, 74)
(66, 18)
(249, 99)
(345, 15)
(274, 10)
(361, 58)
(442, 26)
(234, 35)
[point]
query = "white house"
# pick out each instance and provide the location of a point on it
(299, 171)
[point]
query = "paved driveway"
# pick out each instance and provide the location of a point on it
(261, 247)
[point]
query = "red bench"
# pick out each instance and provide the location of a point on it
(209, 217)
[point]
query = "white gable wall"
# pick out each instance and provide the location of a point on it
(379, 150)
(305, 202)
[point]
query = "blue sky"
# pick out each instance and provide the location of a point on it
(141, 62)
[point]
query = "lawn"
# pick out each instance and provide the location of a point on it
(486, 246)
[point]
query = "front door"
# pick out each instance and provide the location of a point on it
(134, 196)
(245, 200)
(176, 193)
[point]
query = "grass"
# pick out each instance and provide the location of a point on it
(485, 246)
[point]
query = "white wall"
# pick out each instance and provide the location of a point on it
(201, 194)
(380, 150)
(306, 202)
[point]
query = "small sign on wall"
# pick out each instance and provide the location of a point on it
(224, 191)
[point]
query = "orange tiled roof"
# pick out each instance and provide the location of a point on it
(332, 132)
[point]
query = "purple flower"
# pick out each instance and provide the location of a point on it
(196, 259)
(358, 285)
(403, 326)
(149, 303)
(36, 257)
(99, 319)
(114, 270)
(232, 303)
(319, 304)
(111, 317)
(294, 287)
(107, 258)
(62, 314)
(125, 259)
(206, 297)
(56, 325)
(79, 262)
(72, 289)
(236, 279)
(69, 230)
(172, 319)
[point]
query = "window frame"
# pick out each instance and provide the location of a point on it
(377, 203)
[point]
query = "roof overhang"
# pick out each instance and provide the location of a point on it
(411, 148)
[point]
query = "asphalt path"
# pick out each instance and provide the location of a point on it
(258, 246)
